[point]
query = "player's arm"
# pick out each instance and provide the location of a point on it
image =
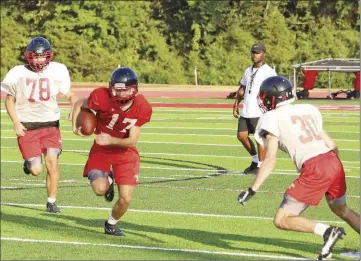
(329, 142)
(238, 99)
(265, 170)
(72, 99)
(10, 108)
(269, 162)
(130, 142)
(78, 105)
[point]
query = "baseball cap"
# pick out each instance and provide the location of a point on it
(258, 47)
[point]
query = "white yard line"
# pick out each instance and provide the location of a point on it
(285, 172)
(154, 185)
(173, 127)
(195, 214)
(181, 143)
(222, 253)
(184, 155)
(225, 111)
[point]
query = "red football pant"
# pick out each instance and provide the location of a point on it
(321, 175)
(125, 164)
(36, 142)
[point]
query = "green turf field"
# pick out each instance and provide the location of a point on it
(185, 207)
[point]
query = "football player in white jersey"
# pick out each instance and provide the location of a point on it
(31, 104)
(297, 130)
(247, 120)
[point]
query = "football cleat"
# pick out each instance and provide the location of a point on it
(112, 230)
(109, 194)
(52, 208)
(252, 169)
(330, 237)
(25, 168)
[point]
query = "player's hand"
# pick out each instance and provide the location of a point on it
(77, 131)
(19, 129)
(235, 111)
(244, 196)
(104, 139)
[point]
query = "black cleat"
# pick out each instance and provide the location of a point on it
(112, 230)
(330, 237)
(109, 194)
(25, 168)
(52, 208)
(252, 169)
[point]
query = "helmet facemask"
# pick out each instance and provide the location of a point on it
(38, 62)
(122, 93)
(286, 97)
(266, 103)
(270, 102)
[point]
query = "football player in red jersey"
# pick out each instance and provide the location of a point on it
(120, 113)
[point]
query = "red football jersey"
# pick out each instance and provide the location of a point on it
(112, 119)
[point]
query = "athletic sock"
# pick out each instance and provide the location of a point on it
(255, 158)
(51, 200)
(111, 220)
(320, 229)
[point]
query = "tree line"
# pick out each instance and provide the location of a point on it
(165, 40)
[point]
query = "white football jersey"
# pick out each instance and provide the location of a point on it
(252, 79)
(36, 92)
(297, 128)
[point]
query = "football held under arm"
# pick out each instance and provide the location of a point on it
(81, 103)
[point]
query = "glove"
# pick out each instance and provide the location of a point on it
(245, 196)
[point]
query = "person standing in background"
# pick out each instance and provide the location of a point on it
(248, 90)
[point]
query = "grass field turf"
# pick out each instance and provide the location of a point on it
(185, 206)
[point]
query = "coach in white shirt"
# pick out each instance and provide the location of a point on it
(248, 90)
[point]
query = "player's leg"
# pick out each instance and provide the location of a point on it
(336, 196)
(125, 197)
(119, 209)
(33, 165)
(242, 135)
(340, 208)
(30, 148)
(126, 177)
(52, 178)
(260, 149)
(51, 142)
(317, 175)
(99, 180)
(287, 218)
(97, 170)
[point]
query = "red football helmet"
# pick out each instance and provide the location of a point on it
(38, 53)
(123, 84)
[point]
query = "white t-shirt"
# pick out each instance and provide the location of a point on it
(36, 92)
(297, 128)
(252, 79)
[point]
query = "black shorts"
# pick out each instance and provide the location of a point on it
(247, 124)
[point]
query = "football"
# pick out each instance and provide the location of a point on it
(87, 121)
